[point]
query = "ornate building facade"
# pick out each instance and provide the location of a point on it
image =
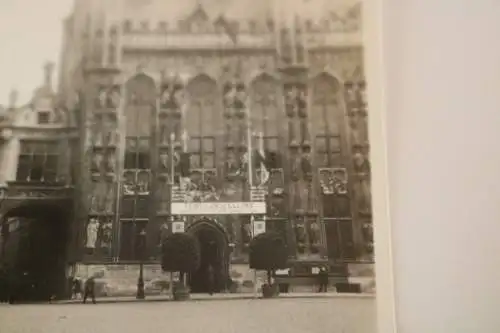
(221, 103)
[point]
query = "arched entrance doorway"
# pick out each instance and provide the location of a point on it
(34, 247)
(214, 248)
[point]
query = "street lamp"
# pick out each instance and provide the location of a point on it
(140, 280)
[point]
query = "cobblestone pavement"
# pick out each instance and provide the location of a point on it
(301, 315)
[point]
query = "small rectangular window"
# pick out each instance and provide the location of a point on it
(43, 117)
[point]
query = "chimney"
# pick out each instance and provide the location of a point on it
(49, 69)
(13, 98)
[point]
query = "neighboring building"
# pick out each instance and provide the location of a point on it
(151, 96)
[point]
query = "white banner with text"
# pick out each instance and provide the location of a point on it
(218, 208)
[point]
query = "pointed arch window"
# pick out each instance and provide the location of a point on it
(201, 122)
(328, 117)
(140, 116)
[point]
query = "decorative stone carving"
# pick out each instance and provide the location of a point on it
(333, 180)
(235, 96)
(201, 186)
(143, 182)
(97, 160)
(113, 97)
(106, 237)
(129, 184)
(172, 95)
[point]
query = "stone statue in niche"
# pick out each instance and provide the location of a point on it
(362, 94)
(296, 101)
(367, 232)
(356, 135)
(350, 93)
(306, 166)
(232, 164)
(362, 187)
(112, 136)
(164, 134)
(164, 162)
(361, 163)
(92, 232)
(314, 235)
(113, 97)
(102, 96)
(109, 198)
(304, 132)
(293, 133)
(106, 234)
(296, 165)
(97, 159)
(300, 236)
(111, 162)
(93, 201)
(97, 135)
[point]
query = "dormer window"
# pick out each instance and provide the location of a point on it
(43, 117)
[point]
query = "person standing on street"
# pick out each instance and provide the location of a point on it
(89, 290)
(323, 280)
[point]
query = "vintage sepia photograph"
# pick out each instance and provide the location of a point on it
(200, 163)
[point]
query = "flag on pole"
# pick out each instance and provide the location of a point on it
(261, 156)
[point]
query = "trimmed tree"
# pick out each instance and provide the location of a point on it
(268, 253)
(180, 253)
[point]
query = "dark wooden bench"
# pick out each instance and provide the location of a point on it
(304, 274)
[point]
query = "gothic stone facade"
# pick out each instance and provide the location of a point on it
(144, 98)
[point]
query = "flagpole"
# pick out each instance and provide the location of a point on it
(172, 182)
(250, 181)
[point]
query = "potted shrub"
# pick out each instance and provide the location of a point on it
(180, 253)
(268, 252)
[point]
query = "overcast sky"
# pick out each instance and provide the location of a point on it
(30, 35)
